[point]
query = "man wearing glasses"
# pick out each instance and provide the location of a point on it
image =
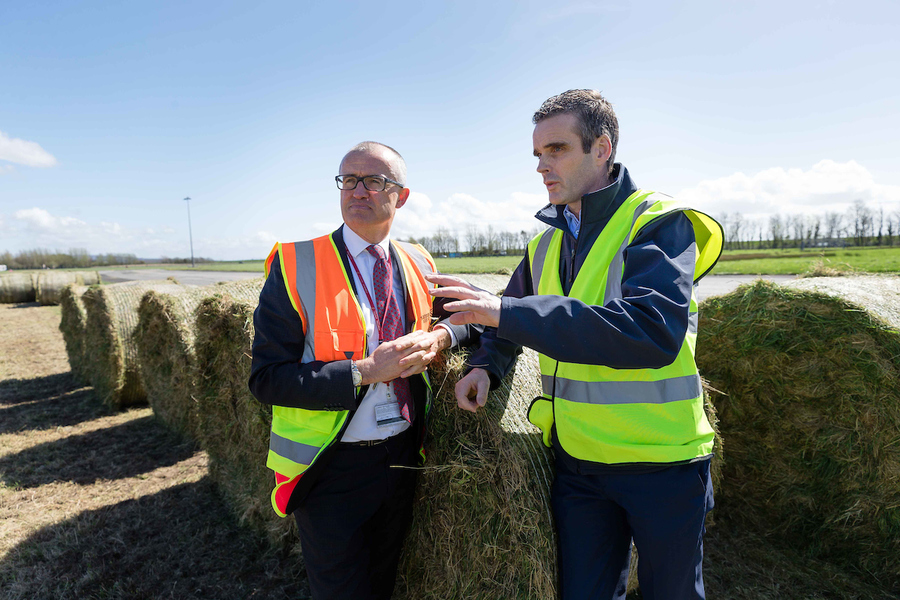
(343, 337)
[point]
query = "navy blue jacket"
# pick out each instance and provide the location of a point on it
(643, 329)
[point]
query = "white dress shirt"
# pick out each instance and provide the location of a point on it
(363, 424)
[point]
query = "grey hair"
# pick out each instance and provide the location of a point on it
(397, 165)
(594, 113)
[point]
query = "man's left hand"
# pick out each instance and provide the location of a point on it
(473, 305)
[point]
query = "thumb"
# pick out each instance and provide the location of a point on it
(483, 388)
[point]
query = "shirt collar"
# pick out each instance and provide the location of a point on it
(356, 245)
(573, 221)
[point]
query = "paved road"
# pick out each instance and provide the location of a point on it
(711, 285)
(717, 285)
(185, 277)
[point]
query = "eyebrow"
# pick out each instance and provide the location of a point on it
(551, 146)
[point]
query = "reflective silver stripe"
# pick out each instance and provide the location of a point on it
(686, 387)
(693, 320)
(415, 253)
(540, 256)
(614, 274)
(291, 450)
(306, 290)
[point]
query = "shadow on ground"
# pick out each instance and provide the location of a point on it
(117, 452)
(64, 410)
(16, 391)
(179, 543)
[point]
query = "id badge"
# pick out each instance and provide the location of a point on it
(387, 414)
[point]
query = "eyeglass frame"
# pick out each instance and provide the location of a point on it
(337, 181)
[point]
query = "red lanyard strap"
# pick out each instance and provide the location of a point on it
(390, 295)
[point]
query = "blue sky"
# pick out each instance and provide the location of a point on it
(112, 112)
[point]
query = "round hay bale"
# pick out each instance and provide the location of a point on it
(878, 294)
(233, 427)
(51, 283)
(17, 287)
(164, 338)
(482, 526)
(72, 325)
(811, 417)
(110, 352)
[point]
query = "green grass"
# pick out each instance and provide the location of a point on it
(793, 261)
(478, 264)
(734, 262)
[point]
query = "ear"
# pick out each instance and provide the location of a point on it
(402, 197)
(602, 149)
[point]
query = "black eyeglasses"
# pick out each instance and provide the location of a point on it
(373, 183)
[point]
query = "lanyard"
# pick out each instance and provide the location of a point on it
(362, 281)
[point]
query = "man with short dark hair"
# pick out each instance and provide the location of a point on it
(343, 337)
(606, 297)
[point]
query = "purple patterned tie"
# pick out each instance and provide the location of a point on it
(392, 327)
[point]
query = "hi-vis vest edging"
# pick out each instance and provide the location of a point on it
(321, 292)
(619, 416)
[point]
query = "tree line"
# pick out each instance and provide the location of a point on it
(859, 226)
(477, 241)
(76, 258)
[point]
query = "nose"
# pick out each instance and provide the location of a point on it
(542, 166)
(360, 190)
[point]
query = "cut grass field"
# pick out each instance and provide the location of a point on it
(102, 504)
(96, 503)
(792, 261)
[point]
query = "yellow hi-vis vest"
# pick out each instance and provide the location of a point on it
(617, 416)
(320, 291)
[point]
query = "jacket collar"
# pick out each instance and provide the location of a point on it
(596, 207)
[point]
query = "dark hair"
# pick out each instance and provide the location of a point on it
(595, 117)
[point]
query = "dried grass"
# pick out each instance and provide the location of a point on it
(110, 353)
(482, 526)
(233, 426)
(812, 424)
(51, 283)
(72, 325)
(165, 346)
(17, 287)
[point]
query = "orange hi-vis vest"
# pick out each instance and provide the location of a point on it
(320, 290)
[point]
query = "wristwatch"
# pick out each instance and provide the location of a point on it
(357, 376)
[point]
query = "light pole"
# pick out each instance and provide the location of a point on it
(190, 234)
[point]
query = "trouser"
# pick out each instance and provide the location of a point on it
(598, 515)
(355, 518)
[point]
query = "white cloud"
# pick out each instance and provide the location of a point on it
(421, 216)
(39, 220)
(24, 152)
(827, 186)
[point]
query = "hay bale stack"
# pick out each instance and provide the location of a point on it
(165, 348)
(72, 325)
(17, 287)
(110, 353)
(482, 526)
(51, 283)
(812, 423)
(233, 426)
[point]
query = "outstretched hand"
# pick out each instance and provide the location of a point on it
(472, 390)
(472, 305)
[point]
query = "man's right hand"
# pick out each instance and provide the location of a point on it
(391, 359)
(472, 390)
